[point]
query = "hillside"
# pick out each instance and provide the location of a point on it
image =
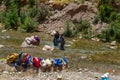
(91, 29)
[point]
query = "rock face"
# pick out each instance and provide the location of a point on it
(72, 12)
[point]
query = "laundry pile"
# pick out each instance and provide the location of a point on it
(25, 60)
(31, 41)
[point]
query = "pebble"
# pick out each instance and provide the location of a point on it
(1, 46)
(5, 72)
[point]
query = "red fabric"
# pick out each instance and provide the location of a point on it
(36, 62)
(26, 58)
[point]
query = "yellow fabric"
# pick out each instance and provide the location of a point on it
(12, 57)
(49, 63)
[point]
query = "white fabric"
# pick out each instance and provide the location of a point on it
(47, 48)
(32, 38)
(28, 40)
(25, 45)
(105, 75)
(43, 63)
(52, 32)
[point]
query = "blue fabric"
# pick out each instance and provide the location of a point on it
(16, 64)
(58, 62)
(57, 41)
(105, 78)
(27, 62)
(54, 62)
(41, 59)
(37, 38)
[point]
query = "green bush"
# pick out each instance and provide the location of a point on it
(86, 28)
(28, 25)
(68, 31)
(113, 16)
(33, 11)
(85, 25)
(22, 17)
(105, 12)
(107, 1)
(31, 3)
(112, 32)
(104, 1)
(118, 17)
(96, 19)
(7, 3)
(10, 18)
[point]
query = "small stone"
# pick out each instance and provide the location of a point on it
(5, 72)
(1, 46)
(80, 70)
(19, 72)
(3, 31)
(113, 43)
(74, 40)
(113, 47)
(59, 77)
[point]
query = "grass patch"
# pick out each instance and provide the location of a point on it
(101, 55)
(106, 57)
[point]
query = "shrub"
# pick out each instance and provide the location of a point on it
(107, 1)
(22, 17)
(31, 3)
(11, 18)
(86, 28)
(112, 32)
(7, 3)
(33, 11)
(105, 12)
(96, 19)
(118, 17)
(85, 25)
(28, 25)
(113, 16)
(104, 1)
(68, 31)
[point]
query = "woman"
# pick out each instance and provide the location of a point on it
(56, 38)
(62, 42)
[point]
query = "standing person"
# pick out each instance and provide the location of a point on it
(56, 38)
(62, 42)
